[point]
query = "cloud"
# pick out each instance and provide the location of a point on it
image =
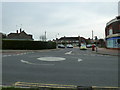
(60, 0)
(65, 18)
(0, 17)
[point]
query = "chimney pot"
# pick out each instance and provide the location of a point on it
(20, 30)
(17, 31)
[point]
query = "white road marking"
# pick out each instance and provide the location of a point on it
(79, 60)
(51, 58)
(68, 52)
(26, 62)
(15, 54)
(4, 55)
(9, 55)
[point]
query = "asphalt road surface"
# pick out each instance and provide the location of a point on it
(69, 66)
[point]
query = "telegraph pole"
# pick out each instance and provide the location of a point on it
(45, 35)
(21, 25)
(16, 27)
(92, 34)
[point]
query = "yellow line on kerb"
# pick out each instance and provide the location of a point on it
(18, 83)
(26, 84)
(105, 87)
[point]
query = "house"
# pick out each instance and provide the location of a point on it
(22, 35)
(75, 41)
(112, 33)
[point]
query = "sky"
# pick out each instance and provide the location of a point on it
(58, 19)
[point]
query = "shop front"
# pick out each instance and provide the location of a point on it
(113, 42)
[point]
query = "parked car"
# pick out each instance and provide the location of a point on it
(69, 46)
(90, 45)
(61, 46)
(83, 47)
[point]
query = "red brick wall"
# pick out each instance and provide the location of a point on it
(115, 27)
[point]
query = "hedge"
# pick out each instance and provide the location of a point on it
(27, 45)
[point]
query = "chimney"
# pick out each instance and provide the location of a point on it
(17, 31)
(20, 30)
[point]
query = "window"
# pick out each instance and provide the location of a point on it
(110, 31)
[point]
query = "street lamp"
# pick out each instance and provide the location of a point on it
(79, 41)
(96, 42)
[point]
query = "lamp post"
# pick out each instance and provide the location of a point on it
(79, 41)
(96, 42)
(92, 34)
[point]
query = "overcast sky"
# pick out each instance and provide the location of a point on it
(65, 18)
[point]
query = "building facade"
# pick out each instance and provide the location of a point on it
(112, 33)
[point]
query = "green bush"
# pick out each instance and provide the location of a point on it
(27, 45)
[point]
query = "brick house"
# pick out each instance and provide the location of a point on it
(112, 33)
(75, 41)
(22, 35)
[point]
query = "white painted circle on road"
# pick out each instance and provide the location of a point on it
(51, 58)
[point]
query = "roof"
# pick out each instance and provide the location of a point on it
(17, 34)
(113, 20)
(70, 38)
(21, 35)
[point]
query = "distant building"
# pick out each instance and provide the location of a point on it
(112, 33)
(22, 35)
(75, 41)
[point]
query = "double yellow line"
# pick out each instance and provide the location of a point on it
(42, 85)
(26, 84)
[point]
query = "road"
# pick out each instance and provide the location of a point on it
(69, 66)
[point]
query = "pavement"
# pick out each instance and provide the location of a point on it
(105, 51)
(22, 51)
